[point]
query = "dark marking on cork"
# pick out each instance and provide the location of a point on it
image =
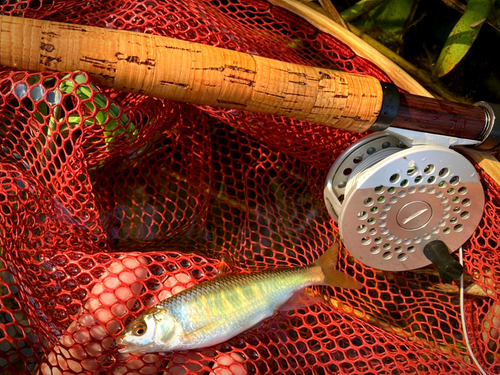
(50, 34)
(241, 81)
(218, 68)
(240, 69)
(99, 63)
(298, 83)
(269, 94)
(298, 74)
(47, 47)
(325, 75)
(182, 49)
(230, 103)
(47, 60)
(72, 27)
(169, 83)
(134, 59)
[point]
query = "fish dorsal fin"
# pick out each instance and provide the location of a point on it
(299, 300)
(224, 268)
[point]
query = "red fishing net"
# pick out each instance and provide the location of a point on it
(110, 202)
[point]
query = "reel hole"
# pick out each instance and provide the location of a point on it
(361, 228)
(374, 209)
(371, 221)
(366, 241)
(439, 194)
(373, 232)
(383, 215)
(441, 223)
(458, 228)
(398, 249)
(378, 240)
(435, 230)
(417, 240)
(446, 215)
(418, 179)
(390, 236)
(442, 184)
(466, 202)
(394, 178)
(402, 257)
(402, 194)
(444, 172)
(368, 202)
(387, 255)
(462, 191)
(455, 199)
(411, 249)
(362, 215)
(379, 189)
(427, 236)
(429, 169)
(397, 240)
(453, 220)
(456, 209)
(381, 199)
(411, 171)
(446, 230)
(404, 183)
(391, 190)
(445, 200)
(465, 215)
(347, 171)
(450, 191)
(412, 190)
(384, 231)
(455, 180)
(446, 207)
(407, 241)
(431, 180)
(387, 246)
(393, 200)
(357, 159)
(375, 250)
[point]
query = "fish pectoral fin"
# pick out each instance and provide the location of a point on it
(299, 300)
(201, 333)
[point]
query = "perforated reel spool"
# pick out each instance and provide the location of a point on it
(391, 200)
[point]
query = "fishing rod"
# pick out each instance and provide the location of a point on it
(195, 73)
(402, 198)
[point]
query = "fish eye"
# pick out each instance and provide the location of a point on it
(139, 330)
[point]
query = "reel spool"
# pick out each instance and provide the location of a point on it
(395, 205)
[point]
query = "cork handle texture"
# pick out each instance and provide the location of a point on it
(190, 72)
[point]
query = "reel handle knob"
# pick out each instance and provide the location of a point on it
(437, 252)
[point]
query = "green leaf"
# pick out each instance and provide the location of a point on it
(463, 35)
(389, 19)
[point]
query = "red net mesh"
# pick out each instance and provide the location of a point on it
(111, 202)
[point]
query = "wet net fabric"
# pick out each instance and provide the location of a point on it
(111, 202)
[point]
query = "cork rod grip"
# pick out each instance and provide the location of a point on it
(190, 72)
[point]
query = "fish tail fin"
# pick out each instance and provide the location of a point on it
(327, 263)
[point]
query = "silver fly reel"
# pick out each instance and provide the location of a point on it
(391, 200)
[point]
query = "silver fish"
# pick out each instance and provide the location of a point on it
(217, 310)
